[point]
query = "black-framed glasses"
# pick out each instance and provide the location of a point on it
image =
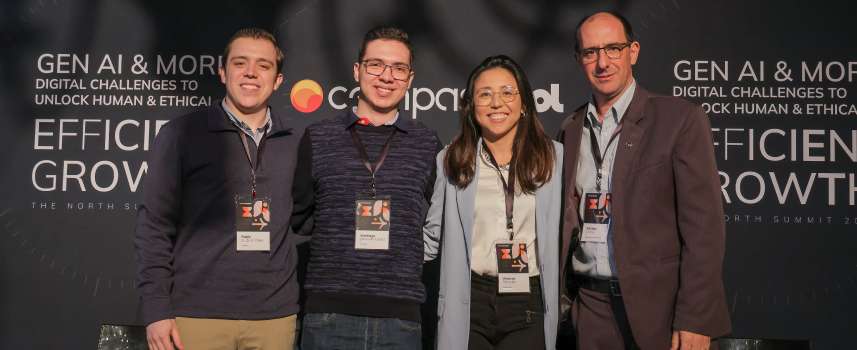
(399, 71)
(613, 51)
(485, 96)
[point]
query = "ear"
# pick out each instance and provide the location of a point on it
(635, 52)
(277, 81)
(222, 72)
(357, 72)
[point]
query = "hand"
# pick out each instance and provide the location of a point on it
(162, 334)
(684, 340)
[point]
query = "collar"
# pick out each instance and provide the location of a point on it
(219, 120)
(617, 110)
(480, 153)
(242, 125)
(389, 122)
(401, 124)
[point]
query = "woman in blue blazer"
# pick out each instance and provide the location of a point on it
(495, 218)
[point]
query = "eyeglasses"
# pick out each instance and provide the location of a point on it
(399, 71)
(613, 51)
(485, 96)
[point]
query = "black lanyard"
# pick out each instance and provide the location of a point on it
(253, 165)
(508, 190)
(365, 157)
(597, 155)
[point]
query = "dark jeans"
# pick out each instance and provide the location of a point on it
(328, 331)
(505, 321)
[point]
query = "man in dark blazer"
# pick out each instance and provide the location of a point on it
(643, 230)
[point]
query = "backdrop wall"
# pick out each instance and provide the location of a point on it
(85, 85)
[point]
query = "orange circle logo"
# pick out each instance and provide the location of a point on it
(306, 96)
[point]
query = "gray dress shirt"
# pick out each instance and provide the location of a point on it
(595, 259)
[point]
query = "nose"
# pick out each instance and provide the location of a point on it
(386, 74)
(496, 100)
(603, 61)
(251, 70)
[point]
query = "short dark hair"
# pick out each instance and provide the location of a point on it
(386, 32)
(256, 33)
(629, 32)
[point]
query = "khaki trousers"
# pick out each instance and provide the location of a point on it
(219, 334)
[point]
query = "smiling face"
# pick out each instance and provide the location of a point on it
(499, 119)
(250, 75)
(608, 77)
(382, 93)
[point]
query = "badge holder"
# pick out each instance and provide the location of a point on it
(596, 217)
(372, 223)
(513, 267)
(252, 223)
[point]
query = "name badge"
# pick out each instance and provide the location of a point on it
(372, 223)
(252, 219)
(596, 217)
(513, 269)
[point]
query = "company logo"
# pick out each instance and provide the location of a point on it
(306, 96)
(422, 99)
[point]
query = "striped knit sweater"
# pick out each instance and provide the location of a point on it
(329, 177)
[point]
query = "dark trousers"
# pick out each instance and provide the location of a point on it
(594, 323)
(505, 321)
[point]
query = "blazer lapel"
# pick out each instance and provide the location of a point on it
(571, 139)
(571, 143)
(629, 142)
(543, 201)
(466, 199)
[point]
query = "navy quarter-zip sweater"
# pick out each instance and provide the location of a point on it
(328, 179)
(187, 262)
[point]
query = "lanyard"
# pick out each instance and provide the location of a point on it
(250, 159)
(597, 155)
(508, 190)
(365, 157)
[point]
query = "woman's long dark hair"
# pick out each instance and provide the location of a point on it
(532, 151)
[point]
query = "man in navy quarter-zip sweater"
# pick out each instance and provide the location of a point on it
(215, 258)
(362, 187)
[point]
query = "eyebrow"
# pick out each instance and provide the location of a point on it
(261, 59)
(607, 45)
(501, 87)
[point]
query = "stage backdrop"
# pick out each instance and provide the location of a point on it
(86, 85)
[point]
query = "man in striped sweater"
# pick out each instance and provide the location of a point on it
(363, 183)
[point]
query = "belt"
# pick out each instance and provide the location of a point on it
(610, 286)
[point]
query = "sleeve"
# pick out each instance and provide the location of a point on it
(429, 191)
(303, 189)
(157, 220)
(701, 301)
(433, 227)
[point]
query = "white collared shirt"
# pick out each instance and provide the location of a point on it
(489, 224)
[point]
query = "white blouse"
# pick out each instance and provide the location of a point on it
(489, 224)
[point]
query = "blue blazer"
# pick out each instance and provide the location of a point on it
(449, 223)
